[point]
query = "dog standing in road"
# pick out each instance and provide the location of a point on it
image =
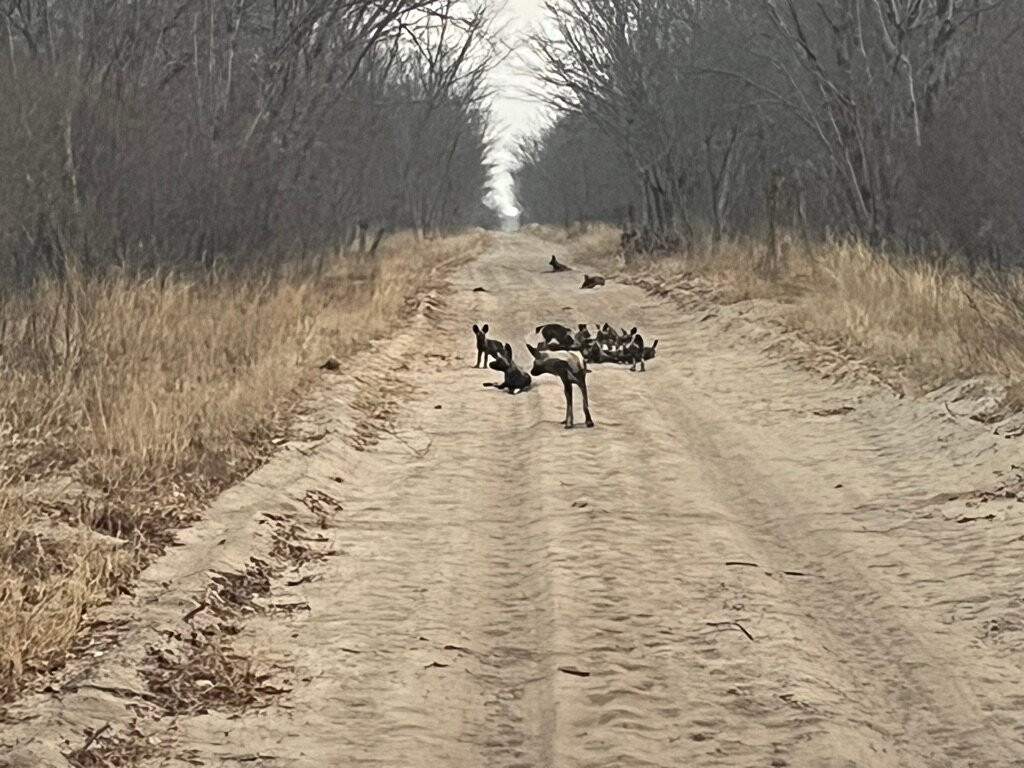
(486, 347)
(570, 367)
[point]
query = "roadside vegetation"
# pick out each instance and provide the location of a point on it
(202, 201)
(859, 161)
(918, 324)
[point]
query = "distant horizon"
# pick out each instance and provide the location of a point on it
(515, 113)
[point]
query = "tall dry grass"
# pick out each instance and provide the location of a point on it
(143, 397)
(921, 324)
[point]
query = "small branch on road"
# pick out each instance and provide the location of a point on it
(574, 671)
(735, 624)
(192, 614)
(93, 736)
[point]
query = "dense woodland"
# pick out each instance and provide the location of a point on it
(194, 132)
(897, 122)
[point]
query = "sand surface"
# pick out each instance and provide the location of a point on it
(741, 565)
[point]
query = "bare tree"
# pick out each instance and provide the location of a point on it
(829, 115)
(194, 131)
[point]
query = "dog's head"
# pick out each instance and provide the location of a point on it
(504, 362)
(481, 335)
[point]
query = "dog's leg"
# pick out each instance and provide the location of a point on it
(586, 401)
(568, 403)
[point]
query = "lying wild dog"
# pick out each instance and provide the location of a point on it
(594, 353)
(606, 335)
(571, 368)
(516, 380)
(592, 281)
(557, 334)
(557, 266)
(582, 337)
(486, 347)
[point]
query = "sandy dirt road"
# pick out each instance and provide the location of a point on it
(729, 570)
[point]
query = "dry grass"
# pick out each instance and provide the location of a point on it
(149, 396)
(205, 674)
(104, 748)
(919, 324)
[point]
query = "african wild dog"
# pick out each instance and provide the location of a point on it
(556, 336)
(592, 281)
(516, 380)
(557, 266)
(582, 337)
(570, 367)
(486, 347)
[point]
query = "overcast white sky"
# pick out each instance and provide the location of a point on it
(515, 113)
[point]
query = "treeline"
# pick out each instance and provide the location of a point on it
(898, 122)
(194, 132)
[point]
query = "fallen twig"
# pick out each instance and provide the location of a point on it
(574, 671)
(968, 519)
(191, 614)
(736, 624)
(95, 735)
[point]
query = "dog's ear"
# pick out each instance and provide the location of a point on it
(476, 329)
(486, 328)
(655, 344)
(508, 351)
(533, 351)
(633, 332)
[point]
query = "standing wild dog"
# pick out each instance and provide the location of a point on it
(516, 379)
(571, 368)
(486, 347)
(592, 281)
(634, 351)
(557, 266)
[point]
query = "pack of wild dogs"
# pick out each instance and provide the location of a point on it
(566, 354)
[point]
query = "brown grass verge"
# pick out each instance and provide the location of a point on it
(919, 324)
(127, 403)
